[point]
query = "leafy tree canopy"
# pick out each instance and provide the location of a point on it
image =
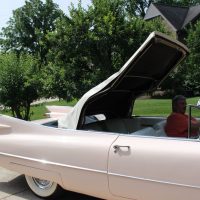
(93, 44)
(19, 83)
(192, 81)
(137, 7)
(27, 28)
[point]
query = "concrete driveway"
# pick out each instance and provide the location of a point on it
(13, 187)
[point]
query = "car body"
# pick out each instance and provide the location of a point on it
(98, 148)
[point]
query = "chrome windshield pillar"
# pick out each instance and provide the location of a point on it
(190, 116)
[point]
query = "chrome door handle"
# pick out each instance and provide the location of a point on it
(118, 147)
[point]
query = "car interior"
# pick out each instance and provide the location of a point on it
(146, 126)
(135, 125)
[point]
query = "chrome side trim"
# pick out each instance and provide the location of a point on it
(155, 181)
(45, 162)
(23, 165)
(92, 170)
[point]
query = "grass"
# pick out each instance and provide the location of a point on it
(38, 111)
(146, 107)
(152, 107)
(159, 107)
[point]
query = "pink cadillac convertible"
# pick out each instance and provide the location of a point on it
(98, 148)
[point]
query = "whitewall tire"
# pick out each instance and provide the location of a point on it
(43, 188)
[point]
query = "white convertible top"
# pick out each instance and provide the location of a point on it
(71, 119)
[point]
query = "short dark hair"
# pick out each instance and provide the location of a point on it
(175, 100)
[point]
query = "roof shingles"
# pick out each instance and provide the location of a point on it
(177, 16)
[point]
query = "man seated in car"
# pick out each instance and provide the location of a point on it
(177, 121)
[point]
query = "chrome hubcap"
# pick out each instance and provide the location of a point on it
(43, 184)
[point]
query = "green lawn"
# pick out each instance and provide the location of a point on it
(38, 111)
(159, 107)
(150, 107)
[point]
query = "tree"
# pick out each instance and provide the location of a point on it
(93, 44)
(56, 82)
(185, 80)
(192, 81)
(28, 27)
(137, 7)
(19, 83)
(79, 50)
(69, 54)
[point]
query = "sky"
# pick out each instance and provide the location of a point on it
(7, 6)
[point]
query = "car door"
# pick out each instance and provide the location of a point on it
(150, 168)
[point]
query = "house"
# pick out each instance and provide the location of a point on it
(176, 18)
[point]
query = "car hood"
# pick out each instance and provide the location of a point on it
(142, 73)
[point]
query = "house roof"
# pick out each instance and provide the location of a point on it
(176, 16)
(192, 15)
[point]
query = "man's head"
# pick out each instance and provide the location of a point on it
(179, 104)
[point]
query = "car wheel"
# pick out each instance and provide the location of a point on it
(43, 188)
